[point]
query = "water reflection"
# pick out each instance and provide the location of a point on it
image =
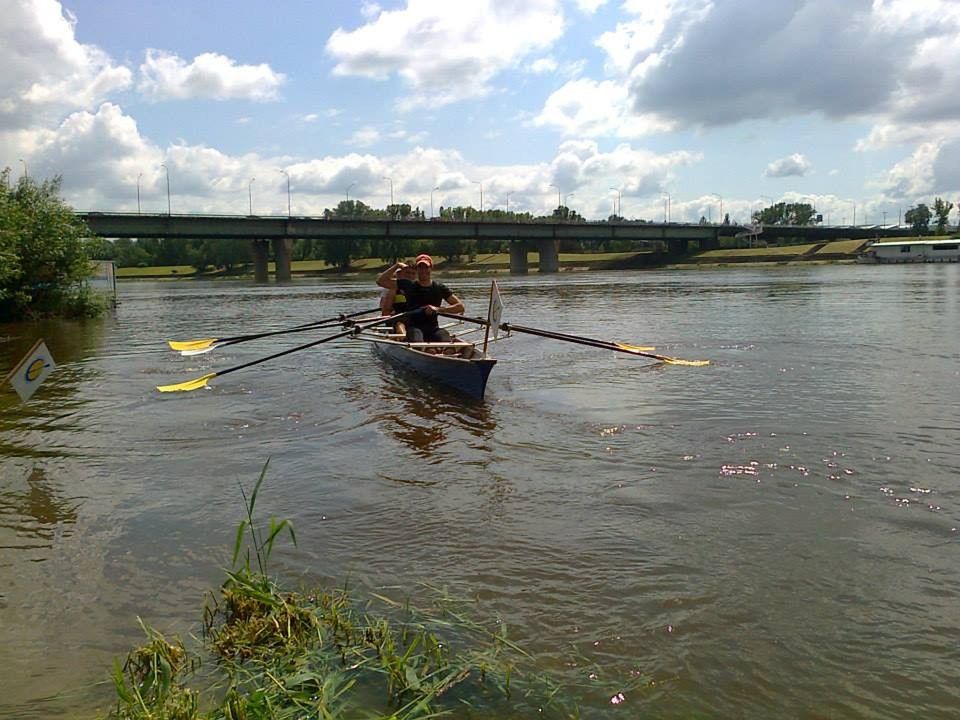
(39, 512)
(426, 417)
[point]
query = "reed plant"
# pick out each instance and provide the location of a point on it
(269, 652)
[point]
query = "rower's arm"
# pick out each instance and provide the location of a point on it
(388, 278)
(455, 305)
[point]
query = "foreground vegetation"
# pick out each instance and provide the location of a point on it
(43, 253)
(273, 653)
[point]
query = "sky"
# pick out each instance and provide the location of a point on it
(674, 110)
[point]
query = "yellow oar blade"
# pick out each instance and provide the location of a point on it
(201, 351)
(191, 344)
(689, 363)
(188, 385)
(635, 348)
(647, 352)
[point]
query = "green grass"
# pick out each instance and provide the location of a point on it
(156, 270)
(269, 652)
(847, 247)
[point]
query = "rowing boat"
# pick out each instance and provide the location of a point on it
(458, 364)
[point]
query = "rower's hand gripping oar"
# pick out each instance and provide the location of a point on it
(590, 342)
(354, 328)
(197, 347)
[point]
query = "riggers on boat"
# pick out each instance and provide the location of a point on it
(912, 251)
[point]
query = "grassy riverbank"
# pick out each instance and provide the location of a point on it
(500, 262)
(271, 652)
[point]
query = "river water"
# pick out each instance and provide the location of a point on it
(775, 535)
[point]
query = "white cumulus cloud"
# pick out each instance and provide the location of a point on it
(165, 76)
(45, 70)
(446, 51)
(585, 107)
(795, 165)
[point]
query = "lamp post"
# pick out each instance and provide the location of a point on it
(480, 183)
(250, 193)
(289, 211)
(566, 199)
(717, 196)
(431, 200)
(508, 201)
(884, 217)
(167, 171)
(139, 175)
(619, 198)
(348, 189)
(390, 180)
(854, 212)
(25, 174)
(559, 204)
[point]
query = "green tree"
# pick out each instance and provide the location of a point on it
(786, 214)
(942, 208)
(919, 218)
(221, 253)
(43, 254)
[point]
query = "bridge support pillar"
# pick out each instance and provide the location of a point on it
(259, 260)
(281, 257)
(518, 257)
(549, 261)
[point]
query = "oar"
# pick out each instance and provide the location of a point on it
(195, 347)
(590, 342)
(615, 346)
(202, 381)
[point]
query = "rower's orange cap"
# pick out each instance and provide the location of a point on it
(423, 258)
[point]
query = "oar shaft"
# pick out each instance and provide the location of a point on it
(550, 334)
(576, 339)
(316, 324)
(350, 331)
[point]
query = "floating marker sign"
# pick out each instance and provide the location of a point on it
(32, 370)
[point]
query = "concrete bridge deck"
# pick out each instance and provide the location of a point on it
(543, 236)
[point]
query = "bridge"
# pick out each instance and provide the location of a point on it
(543, 237)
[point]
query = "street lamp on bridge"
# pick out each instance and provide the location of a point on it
(390, 180)
(666, 206)
(619, 197)
(480, 183)
(431, 200)
(250, 193)
(139, 175)
(558, 194)
(25, 174)
(854, 212)
(289, 211)
(717, 196)
(566, 199)
(167, 171)
(348, 189)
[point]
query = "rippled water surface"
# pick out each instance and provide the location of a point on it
(773, 535)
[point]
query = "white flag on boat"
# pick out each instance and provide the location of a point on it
(30, 372)
(496, 309)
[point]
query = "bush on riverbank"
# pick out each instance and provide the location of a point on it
(274, 653)
(43, 257)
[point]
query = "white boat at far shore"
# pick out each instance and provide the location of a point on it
(912, 251)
